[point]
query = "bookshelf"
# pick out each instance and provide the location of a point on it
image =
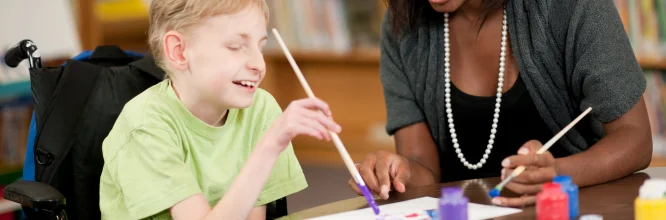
(645, 24)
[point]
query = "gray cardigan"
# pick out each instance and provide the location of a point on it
(572, 54)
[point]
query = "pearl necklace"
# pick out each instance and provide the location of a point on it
(449, 112)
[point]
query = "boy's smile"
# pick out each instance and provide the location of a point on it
(247, 85)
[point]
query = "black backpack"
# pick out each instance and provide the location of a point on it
(75, 107)
(77, 114)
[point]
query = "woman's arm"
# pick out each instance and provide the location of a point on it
(602, 73)
(626, 148)
(607, 77)
(415, 143)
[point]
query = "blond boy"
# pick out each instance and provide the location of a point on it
(206, 143)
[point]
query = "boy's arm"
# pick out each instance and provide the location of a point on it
(241, 197)
(258, 213)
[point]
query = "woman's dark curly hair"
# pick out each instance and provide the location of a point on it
(407, 13)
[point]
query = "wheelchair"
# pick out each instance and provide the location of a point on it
(74, 107)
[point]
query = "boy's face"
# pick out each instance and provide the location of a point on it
(224, 58)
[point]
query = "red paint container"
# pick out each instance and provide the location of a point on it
(552, 203)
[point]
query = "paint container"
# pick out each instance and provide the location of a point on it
(552, 203)
(651, 203)
(571, 190)
(453, 204)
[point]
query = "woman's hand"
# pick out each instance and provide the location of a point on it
(540, 169)
(382, 171)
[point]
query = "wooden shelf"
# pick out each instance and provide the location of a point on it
(130, 34)
(359, 56)
(653, 64)
(658, 161)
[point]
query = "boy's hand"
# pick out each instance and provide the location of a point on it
(302, 117)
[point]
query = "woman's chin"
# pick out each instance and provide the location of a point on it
(438, 1)
(442, 8)
(445, 6)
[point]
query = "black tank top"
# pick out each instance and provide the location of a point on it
(519, 122)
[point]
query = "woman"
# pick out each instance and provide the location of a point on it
(555, 59)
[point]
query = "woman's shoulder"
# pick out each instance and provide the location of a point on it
(562, 12)
(564, 26)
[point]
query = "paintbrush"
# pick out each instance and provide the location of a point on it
(336, 140)
(496, 191)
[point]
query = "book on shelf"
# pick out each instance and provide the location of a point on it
(645, 24)
(337, 26)
(119, 10)
(14, 127)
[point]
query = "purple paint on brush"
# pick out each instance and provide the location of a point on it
(368, 196)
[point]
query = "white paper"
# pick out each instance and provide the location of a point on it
(474, 211)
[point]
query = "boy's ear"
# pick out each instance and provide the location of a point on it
(174, 50)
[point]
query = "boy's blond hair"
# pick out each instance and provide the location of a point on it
(168, 15)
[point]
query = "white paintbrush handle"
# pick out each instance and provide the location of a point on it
(336, 140)
(555, 138)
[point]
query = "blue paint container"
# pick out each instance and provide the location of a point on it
(571, 190)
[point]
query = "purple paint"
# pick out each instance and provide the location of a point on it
(368, 196)
(453, 204)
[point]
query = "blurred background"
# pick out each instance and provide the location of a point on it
(335, 43)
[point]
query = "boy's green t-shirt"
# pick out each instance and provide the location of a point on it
(158, 153)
